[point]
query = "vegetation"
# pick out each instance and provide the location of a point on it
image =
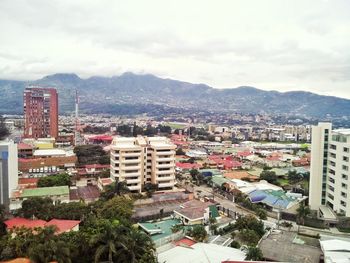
(254, 253)
(198, 233)
(269, 176)
(250, 229)
(235, 244)
(105, 234)
(294, 177)
(3, 129)
(302, 212)
(179, 151)
(88, 154)
(54, 180)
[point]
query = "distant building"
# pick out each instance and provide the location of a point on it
(329, 173)
(40, 108)
(8, 170)
(143, 160)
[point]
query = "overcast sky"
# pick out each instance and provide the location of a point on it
(272, 45)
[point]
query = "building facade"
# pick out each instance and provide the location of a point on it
(40, 106)
(8, 170)
(142, 160)
(329, 172)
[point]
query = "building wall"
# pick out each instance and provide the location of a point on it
(8, 170)
(330, 169)
(37, 163)
(40, 107)
(143, 160)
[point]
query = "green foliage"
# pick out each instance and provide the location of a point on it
(261, 213)
(177, 228)
(198, 233)
(254, 253)
(251, 223)
(179, 151)
(294, 177)
(41, 208)
(269, 176)
(302, 212)
(54, 180)
(118, 207)
(235, 244)
(249, 237)
(88, 154)
(150, 188)
(3, 129)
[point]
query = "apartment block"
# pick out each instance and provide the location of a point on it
(40, 106)
(8, 170)
(143, 160)
(329, 174)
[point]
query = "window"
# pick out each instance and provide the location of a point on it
(331, 188)
(344, 176)
(343, 194)
(333, 147)
(346, 149)
(345, 168)
(343, 203)
(345, 159)
(333, 155)
(331, 180)
(330, 196)
(345, 186)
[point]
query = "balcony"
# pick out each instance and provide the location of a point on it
(168, 165)
(127, 175)
(167, 159)
(170, 152)
(128, 168)
(170, 171)
(133, 181)
(166, 185)
(135, 188)
(167, 178)
(136, 154)
(138, 160)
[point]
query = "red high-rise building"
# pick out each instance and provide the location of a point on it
(40, 112)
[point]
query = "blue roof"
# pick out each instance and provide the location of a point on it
(276, 199)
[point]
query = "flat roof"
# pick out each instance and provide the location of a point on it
(46, 152)
(46, 191)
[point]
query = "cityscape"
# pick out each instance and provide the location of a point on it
(138, 166)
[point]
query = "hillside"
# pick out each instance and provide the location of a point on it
(131, 93)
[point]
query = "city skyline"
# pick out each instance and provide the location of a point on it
(283, 46)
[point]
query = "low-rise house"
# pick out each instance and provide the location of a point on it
(196, 212)
(56, 193)
(60, 224)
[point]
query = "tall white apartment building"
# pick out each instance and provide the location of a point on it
(329, 173)
(143, 160)
(8, 170)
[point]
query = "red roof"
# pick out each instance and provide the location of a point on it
(24, 146)
(96, 166)
(185, 241)
(188, 165)
(106, 181)
(102, 138)
(23, 222)
(28, 180)
(63, 225)
(243, 154)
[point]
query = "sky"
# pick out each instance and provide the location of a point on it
(282, 45)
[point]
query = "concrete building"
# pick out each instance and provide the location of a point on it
(8, 170)
(40, 106)
(329, 173)
(143, 160)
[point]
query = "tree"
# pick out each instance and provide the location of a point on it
(294, 177)
(71, 211)
(248, 236)
(150, 188)
(250, 222)
(41, 208)
(88, 154)
(254, 253)
(198, 233)
(262, 214)
(235, 244)
(302, 212)
(3, 129)
(179, 151)
(54, 180)
(269, 176)
(118, 207)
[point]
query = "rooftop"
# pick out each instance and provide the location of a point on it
(159, 229)
(46, 191)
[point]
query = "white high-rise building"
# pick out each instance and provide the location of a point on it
(329, 189)
(8, 170)
(143, 160)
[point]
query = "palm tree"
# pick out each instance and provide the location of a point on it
(302, 212)
(106, 242)
(136, 246)
(254, 253)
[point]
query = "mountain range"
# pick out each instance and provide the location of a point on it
(131, 93)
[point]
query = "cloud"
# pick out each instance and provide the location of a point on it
(272, 44)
